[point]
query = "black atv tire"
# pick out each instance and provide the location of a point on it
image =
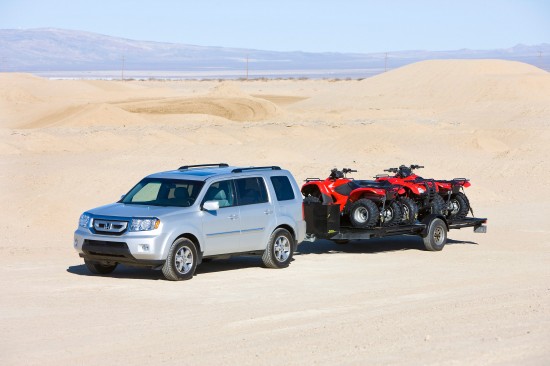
(394, 212)
(458, 206)
(409, 209)
(363, 213)
(437, 205)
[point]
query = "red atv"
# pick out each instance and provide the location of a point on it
(452, 191)
(421, 196)
(366, 203)
(432, 196)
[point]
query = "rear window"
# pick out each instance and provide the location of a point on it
(283, 188)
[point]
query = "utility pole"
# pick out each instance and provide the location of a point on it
(122, 71)
(386, 62)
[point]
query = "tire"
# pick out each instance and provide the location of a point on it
(392, 214)
(436, 235)
(410, 210)
(437, 205)
(363, 213)
(99, 268)
(341, 241)
(458, 206)
(181, 261)
(278, 253)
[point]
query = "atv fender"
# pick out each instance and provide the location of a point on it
(373, 194)
(319, 188)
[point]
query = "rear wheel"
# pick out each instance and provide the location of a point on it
(458, 206)
(181, 261)
(392, 214)
(363, 213)
(278, 253)
(100, 267)
(435, 237)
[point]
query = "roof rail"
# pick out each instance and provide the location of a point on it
(240, 170)
(219, 165)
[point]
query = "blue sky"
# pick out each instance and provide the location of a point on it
(290, 25)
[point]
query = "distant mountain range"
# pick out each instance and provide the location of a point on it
(59, 52)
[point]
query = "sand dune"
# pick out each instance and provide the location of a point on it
(70, 145)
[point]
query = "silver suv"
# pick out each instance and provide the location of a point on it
(174, 220)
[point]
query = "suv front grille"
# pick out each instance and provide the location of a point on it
(110, 227)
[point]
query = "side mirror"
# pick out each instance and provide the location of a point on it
(211, 206)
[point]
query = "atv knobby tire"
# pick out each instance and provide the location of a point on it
(363, 213)
(410, 210)
(437, 206)
(392, 214)
(458, 206)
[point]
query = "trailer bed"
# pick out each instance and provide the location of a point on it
(325, 222)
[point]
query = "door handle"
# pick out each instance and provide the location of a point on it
(268, 212)
(233, 217)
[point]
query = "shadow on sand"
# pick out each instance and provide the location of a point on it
(371, 246)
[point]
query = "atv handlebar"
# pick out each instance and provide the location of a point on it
(417, 166)
(348, 170)
(392, 170)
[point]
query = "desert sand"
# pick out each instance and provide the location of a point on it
(70, 145)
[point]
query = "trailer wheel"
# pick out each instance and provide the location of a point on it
(435, 237)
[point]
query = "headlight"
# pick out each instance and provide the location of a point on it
(84, 220)
(144, 224)
(421, 190)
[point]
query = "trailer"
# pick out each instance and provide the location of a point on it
(325, 222)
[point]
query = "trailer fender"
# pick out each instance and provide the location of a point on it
(428, 219)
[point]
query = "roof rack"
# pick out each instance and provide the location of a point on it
(240, 170)
(219, 165)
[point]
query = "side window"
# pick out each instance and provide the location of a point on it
(221, 192)
(251, 191)
(283, 188)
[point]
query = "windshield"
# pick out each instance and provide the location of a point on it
(164, 192)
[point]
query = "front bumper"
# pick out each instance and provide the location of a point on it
(138, 248)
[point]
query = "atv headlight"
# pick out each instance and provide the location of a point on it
(144, 224)
(84, 220)
(421, 190)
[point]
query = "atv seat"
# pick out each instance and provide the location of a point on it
(373, 183)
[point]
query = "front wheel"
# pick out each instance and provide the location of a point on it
(410, 210)
(99, 267)
(280, 247)
(181, 261)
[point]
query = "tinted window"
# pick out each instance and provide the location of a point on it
(283, 188)
(251, 191)
(221, 192)
(164, 192)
